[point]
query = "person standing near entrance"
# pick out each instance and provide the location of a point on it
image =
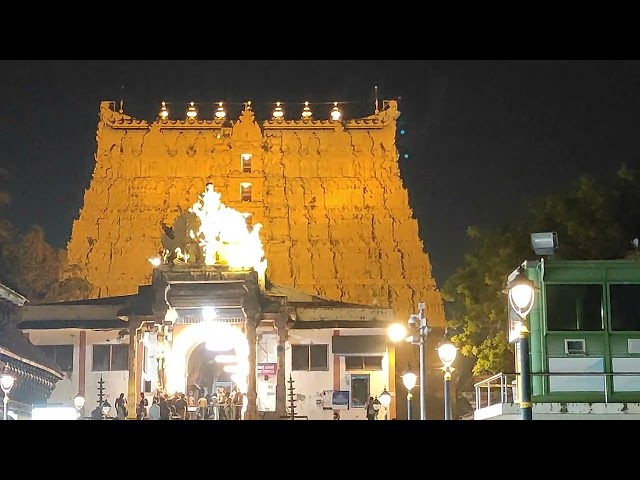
(237, 400)
(121, 407)
(191, 402)
(181, 406)
(154, 410)
(141, 412)
(369, 410)
(202, 407)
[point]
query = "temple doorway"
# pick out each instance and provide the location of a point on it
(206, 356)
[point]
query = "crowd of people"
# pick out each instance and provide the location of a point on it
(221, 405)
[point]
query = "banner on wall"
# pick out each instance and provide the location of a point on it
(335, 399)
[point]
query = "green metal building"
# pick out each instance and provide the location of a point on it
(584, 343)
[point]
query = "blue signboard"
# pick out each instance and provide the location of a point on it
(340, 398)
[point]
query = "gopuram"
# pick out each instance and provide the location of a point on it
(335, 214)
(324, 212)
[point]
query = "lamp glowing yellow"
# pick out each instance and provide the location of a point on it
(409, 379)
(6, 382)
(396, 332)
(447, 353)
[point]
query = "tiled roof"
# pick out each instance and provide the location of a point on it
(14, 341)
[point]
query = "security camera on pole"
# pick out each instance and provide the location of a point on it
(417, 335)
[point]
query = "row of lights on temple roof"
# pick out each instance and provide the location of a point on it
(278, 112)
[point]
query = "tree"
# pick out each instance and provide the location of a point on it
(34, 268)
(37, 270)
(594, 220)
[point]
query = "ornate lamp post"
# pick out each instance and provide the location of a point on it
(521, 292)
(6, 382)
(417, 334)
(78, 402)
(447, 352)
(409, 380)
(385, 400)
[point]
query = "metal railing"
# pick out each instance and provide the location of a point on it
(501, 387)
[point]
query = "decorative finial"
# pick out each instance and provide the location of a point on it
(220, 112)
(278, 113)
(375, 88)
(192, 112)
(164, 113)
(336, 114)
(306, 111)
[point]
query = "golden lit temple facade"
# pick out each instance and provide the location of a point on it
(335, 216)
(286, 247)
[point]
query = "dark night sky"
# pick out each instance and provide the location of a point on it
(483, 136)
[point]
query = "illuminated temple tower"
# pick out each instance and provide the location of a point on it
(335, 214)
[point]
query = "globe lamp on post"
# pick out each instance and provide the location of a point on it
(78, 402)
(6, 382)
(521, 291)
(409, 379)
(447, 352)
(385, 401)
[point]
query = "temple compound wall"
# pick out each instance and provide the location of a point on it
(335, 214)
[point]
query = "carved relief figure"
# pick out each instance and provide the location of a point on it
(181, 144)
(293, 146)
(200, 145)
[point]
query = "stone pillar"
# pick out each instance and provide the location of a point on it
(281, 377)
(133, 384)
(252, 387)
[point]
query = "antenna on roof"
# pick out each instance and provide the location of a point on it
(122, 100)
(375, 88)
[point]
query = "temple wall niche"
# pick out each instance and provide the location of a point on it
(335, 214)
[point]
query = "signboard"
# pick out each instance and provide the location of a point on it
(335, 399)
(267, 368)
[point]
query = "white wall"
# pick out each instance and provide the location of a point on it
(66, 389)
(310, 385)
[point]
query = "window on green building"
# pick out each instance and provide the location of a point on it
(625, 307)
(574, 307)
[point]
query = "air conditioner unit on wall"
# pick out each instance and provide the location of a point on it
(575, 346)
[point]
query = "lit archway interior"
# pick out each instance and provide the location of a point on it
(216, 332)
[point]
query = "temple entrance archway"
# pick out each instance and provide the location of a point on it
(215, 337)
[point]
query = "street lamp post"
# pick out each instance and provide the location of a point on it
(521, 292)
(78, 402)
(385, 400)
(6, 382)
(409, 379)
(418, 332)
(447, 352)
